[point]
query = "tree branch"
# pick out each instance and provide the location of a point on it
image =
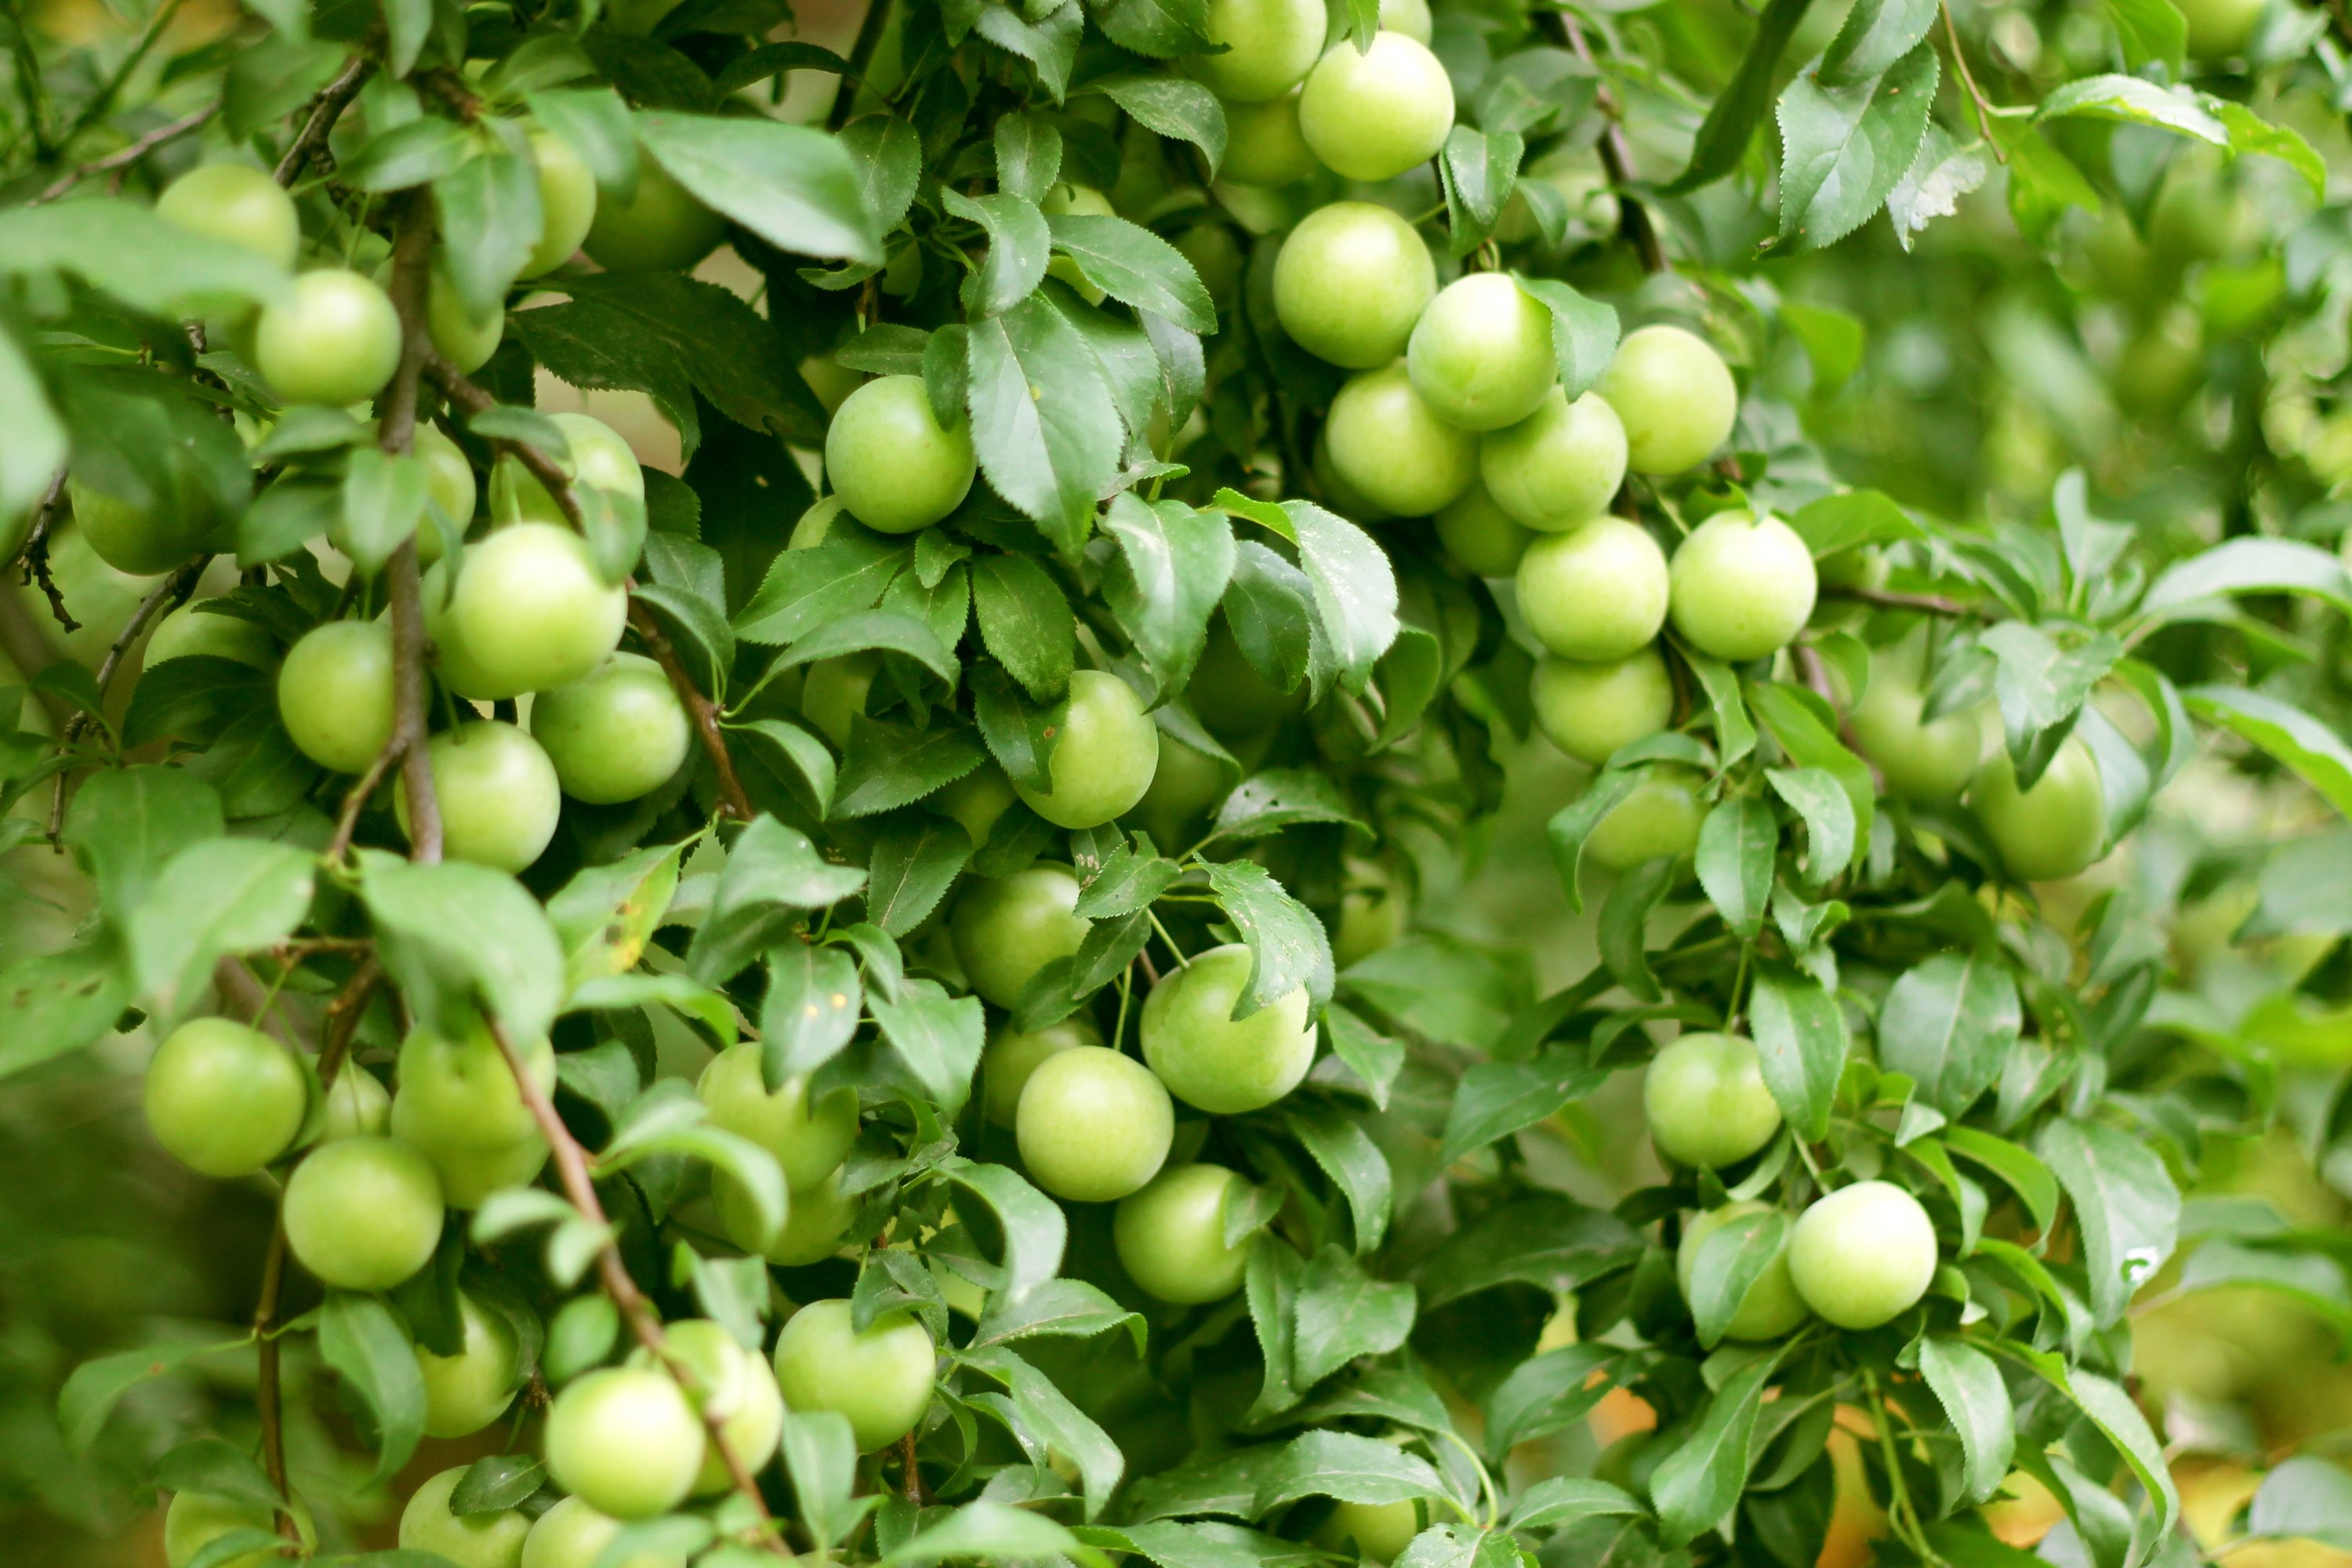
(1926, 603)
(325, 109)
(171, 591)
(412, 262)
(123, 157)
(579, 1187)
(35, 554)
(1616, 152)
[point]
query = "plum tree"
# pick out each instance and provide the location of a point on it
(466, 1391)
(1481, 355)
(498, 793)
(659, 225)
(491, 1539)
(567, 201)
(2051, 830)
(1706, 1102)
(237, 204)
(1013, 1055)
(1676, 396)
(1392, 449)
(1591, 710)
(880, 1377)
(527, 611)
(615, 734)
(1597, 593)
(1743, 585)
(1212, 1060)
(1557, 468)
(1269, 47)
(809, 1141)
(1771, 1306)
(1374, 113)
(335, 339)
(1170, 1237)
(1005, 930)
(624, 1440)
(224, 1098)
(364, 1214)
(895, 466)
(1349, 282)
(1104, 759)
(1862, 1255)
(1093, 1125)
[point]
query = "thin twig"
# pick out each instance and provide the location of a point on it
(412, 260)
(1976, 100)
(471, 398)
(579, 1185)
(452, 90)
(35, 555)
(325, 109)
(1926, 603)
(123, 157)
(1616, 153)
(102, 103)
(347, 821)
(861, 59)
(170, 593)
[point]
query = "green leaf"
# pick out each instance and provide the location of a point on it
(1976, 1402)
(1026, 623)
(2041, 682)
(1050, 44)
(1065, 1308)
(369, 1347)
(1028, 156)
(1573, 824)
(1048, 434)
(1806, 729)
(406, 25)
(2307, 1498)
(1286, 943)
(2151, 32)
(1547, 1240)
(607, 914)
(1816, 796)
(915, 859)
(33, 441)
(993, 1531)
(1352, 1469)
(1135, 267)
(1560, 1500)
(496, 1482)
(810, 1010)
(123, 248)
(2017, 1167)
(1876, 36)
(2287, 733)
(937, 1036)
(2251, 565)
(792, 186)
(1736, 845)
(1696, 1485)
(61, 1001)
(2250, 133)
(2134, 101)
(1172, 567)
(887, 157)
(1018, 241)
(1480, 169)
(490, 218)
(1496, 1099)
(1584, 332)
(1730, 124)
(799, 758)
(1034, 1228)
(1170, 105)
(821, 1457)
(596, 124)
(1547, 1393)
(1731, 1259)
(2125, 1207)
(1943, 173)
(1265, 804)
(1354, 586)
(220, 896)
(125, 824)
(456, 937)
(1342, 1312)
(1161, 29)
(91, 1395)
(889, 765)
(1734, 734)
(773, 874)
(1948, 1023)
(1346, 1153)
(1050, 1429)
(890, 631)
(1801, 1038)
(1843, 146)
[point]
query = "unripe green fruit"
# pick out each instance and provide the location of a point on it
(1410, 17)
(237, 204)
(896, 468)
(224, 1098)
(1481, 355)
(2053, 831)
(597, 457)
(1394, 448)
(1212, 1061)
(1270, 46)
(1105, 759)
(1170, 1237)
(1373, 913)
(334, 694)
(1927, 762)
(1864, 1254)
(2220, 28)
(143, 541)
(1093, 1125)
(1373, 115)
(567, 202)
(466, 1391)
(1184, 785)
(458, 1089)
(1771, 1307)
(1859, 566)
(1676, 396)
(809, 1142)
(1217, 256)
(357, 1106)
(1381, 1530)
(463, 339)
(1591, 710)
(1012, 1055)
(1235, 703)
(1557, 468)
(1480, 534)
(1660, 820)
(660, 227)
(1263, 143)
(881, 1379)
(1743, 585)
(1349, 282)
(497, 792)
(194, 1521)
(625, 1439)
(814, 1221)
(470, 1173)
(573, 1535)
(1597, 593)
(615, 734)
(335, 340)
(364, 1214)
(834, 691)
(1338, 495)
(975, 801)
(736, 1386)
(491, 1540)
(1706, 1102)
(1007, 930)
(527, 613)
(449, 484)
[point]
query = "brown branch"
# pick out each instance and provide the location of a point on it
(914, 1478)
(173, 590)
(123, 158)
(452, 90)
(1616, 152)
(325, 109)
(35, 554)
(1926, 603)
(472, 399)
(732, 801)
(579, 1185)
(412, 262)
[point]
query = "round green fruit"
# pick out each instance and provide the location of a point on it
(1676, 396)
(1216, 256)
(1591, 710)
(1392, 447)
(224, 1098)
(470, 1173)
(1410, 17)
(364, 1214)
(1270, 45)
(1184, 785)
(1597, 593)
(458, 1089)
(1082, 201)
(1771, 1307)
(1743, 586)
(492, 1540)
(527, 613)
(2053, 831)
(615, 734)
(1373, 911)
(1706, 1101)
(735, 1386)
(1864, 1254)
(567, 202)
(459, 336)
(497, 792)
(1263, 143)
(1558, 469)
(334, 694)
(449, 485)
(1372, 114)
(1212, 1060)
(596, 455)
(1481, 356)
(573, 1535)
(466, 1391)
(1236, 704)
(1659, 821)
(144, 541)
(1349, 282)
(1928, 763)
(895, 466)
(976, 800)
(1479, 534)
(661, 226)
(1381, 1530)
(237, 205)
(625, 1440)
(2220, 28)
(1108, 749)
(809, 1142)
(1012, 1055)
(1093, 1125)
(1170, 1237)
(357, 1106)
(815, 1222)
(1007, 930)
(194, 1521)
(880, 1379)
(833, 693)
(334, 340)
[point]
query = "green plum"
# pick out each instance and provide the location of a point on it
(660, 227)
(529, 612)
(1006, 929)
(573, 1535)
(834, 691)
(357, 1106)
(465, 339)
(457, 1088)
(976, 800)
(625, 1440)
(597, 457)
(1263, 143)
(1410, 17)
(224, 1099)
(1706, 1101)
(1864, 1254)
(2053, 831)
(1212, 1060)
(1013, 1055)
(1771, 1307)
(1930, 762)
(237, 204)
(489, 1540)
(1349, 282)
(1372, 114)
(1481, 355)
(1743, 585)
(1108, 749)
(880, 1379)
(616, 733)
(1676, 396)
(145, 540)
(1591, 710)
(1558, 469)
(498, 795)
(334, 340)
(1597, 593)
(449, 484)
(567, 202)
(364, 1214)
(196, 1519)
(1392, 449)
(1660, 820)
(334, 694)
(895, 466)
(1270, 46)
(1478, 534)
(466, 1391)
(1373, 912)
(2220, 28)
(817, 1218)
(809, 1142)
(732, 1385)
(1170, 1237)
(1184, 785)
(1235, 703)
(1093, 1125)
(1381, 1530)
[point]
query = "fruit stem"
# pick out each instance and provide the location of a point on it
(1173, 950)
(35, 554)
(1976, 100)
(1616, 153)
(732, 801)
(1926, 603)
(1900, 1513)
